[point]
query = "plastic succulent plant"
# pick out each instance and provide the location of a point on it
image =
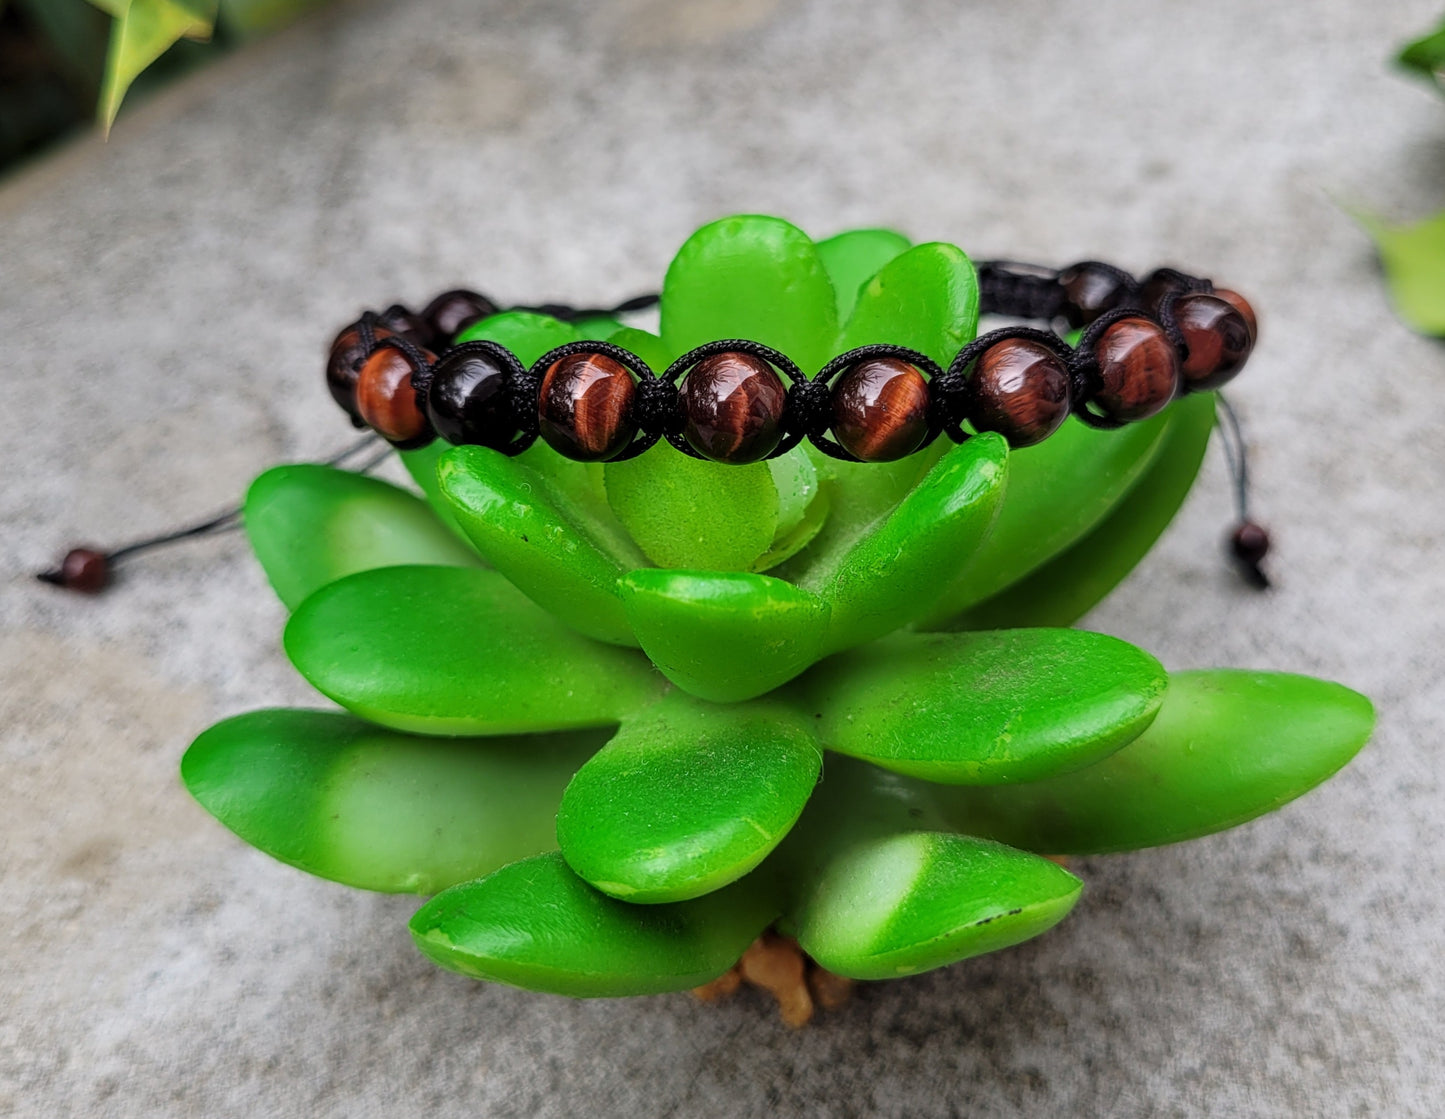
(622, 718)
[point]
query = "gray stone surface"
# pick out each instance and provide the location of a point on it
(164, 299)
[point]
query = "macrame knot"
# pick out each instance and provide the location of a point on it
(809, 409)
(655, 407)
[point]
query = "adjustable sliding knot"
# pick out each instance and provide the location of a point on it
(809, 409)
(657, 408)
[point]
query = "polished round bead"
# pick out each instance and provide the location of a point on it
(407, 323)
(387, 401)
(880, 409)
(1249, 542)
(467, 400)
(1218, 336)
(453, 311)
(1156, 286)
(343, 366)
(83, 569)
(733, 404)
(1240, 304)
(1138, 370)
(584, 410)
(1019, 389)
(1089, 291)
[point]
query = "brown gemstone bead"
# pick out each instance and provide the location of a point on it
(880, 409)
(83, 569)
(733, 403)
(386, 400)
(1138, 370)
(584, 410)
(1219, 340)
(407, 323)
(1019, 389)
(453, 311)
(1089, 291)
(1156, 286)
(343, 366)
(1240, 304)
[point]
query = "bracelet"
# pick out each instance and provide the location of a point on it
(1142, 344)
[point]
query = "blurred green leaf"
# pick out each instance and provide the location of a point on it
(247, 19)
(1414, 260)
(1426, 57)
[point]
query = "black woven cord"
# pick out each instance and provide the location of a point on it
(1023, 291)
(565, 312)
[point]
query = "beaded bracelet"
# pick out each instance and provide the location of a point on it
(1141, 344)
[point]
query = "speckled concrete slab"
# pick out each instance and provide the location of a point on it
(164, 300)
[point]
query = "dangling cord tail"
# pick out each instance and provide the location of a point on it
(1249, 542)
(89, 570)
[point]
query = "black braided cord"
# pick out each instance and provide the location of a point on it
(1006, 288)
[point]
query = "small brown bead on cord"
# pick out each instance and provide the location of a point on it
(343, 366)
(1218, 337)
(1089, 291)
(1249, 544)
(584, 409)
(880, 409)
(407, 323)
(83, 569)
(733, 403)
(1138, 370)
(453, 311)
(1019, 389)
(387, 401)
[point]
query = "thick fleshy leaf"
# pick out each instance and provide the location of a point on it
(309, 525)
(751, 277)
(926, 299)
(901, 904)
(526, 333)
(984, 708)
(855, 257)
(1057, 491)
(535, 536)
(1227, 746)
(649, 347)
(1426, 57)
(687, 512)
(536, 925)
(1072, 583)
(450, 650)
(1414, 261)
(892, 575)
(378, 809)
(688, 797)
(724, 636)
(144, 30)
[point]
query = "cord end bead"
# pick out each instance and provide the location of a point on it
(1249, 544)
(84, 570)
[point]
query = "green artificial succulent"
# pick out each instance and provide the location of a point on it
(622, 718)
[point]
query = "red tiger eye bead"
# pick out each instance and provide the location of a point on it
(733, 403)
(386, 400)
(343, 366)
(1019, 389)
(880, 409)
(1089, 291)
(1138, 370)
(1219, 340)
(1240, 304)
(453, 311)
(584, 410)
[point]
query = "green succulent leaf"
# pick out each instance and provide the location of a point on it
(1071, 584)
(751, 277)
(377, 809)
(893, 574)
(687, 512)
(310, 525)
(853, 258)
(724, 636)
(456, 651)
(536, 925)
(649, 347)
(1227, 746)
(1057, 491)
(144, 30)
(1426, 57)
(984, 708)
(1414, 260)
(539, 538)
(688, 797)
(901, 904)
(925, 298)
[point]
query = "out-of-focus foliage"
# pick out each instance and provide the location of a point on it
(61, 60)
(1426, 57)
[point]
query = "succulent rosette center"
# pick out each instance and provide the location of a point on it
(589, 704)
